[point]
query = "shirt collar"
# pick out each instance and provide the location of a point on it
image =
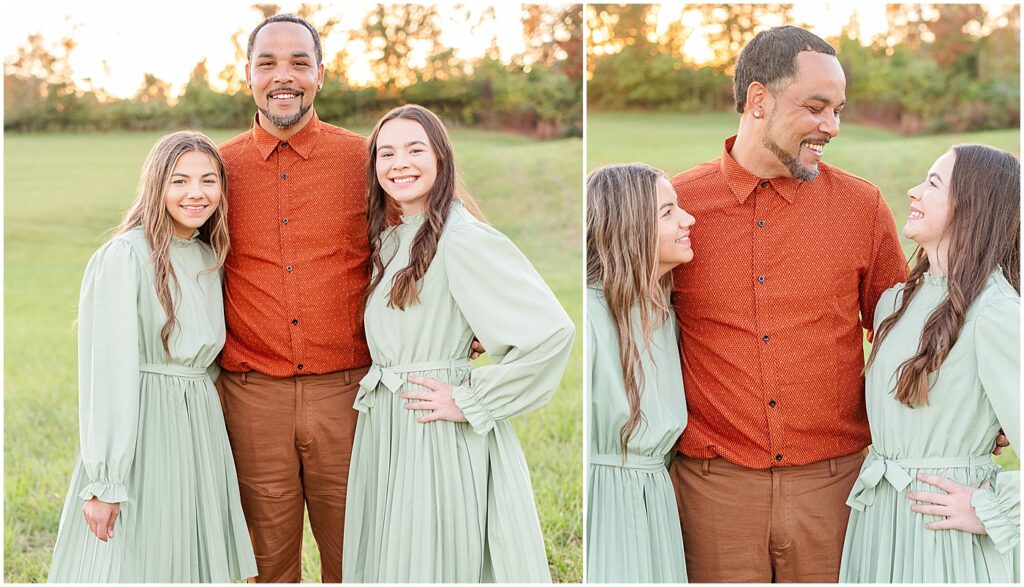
(742, 182)
(302, 141)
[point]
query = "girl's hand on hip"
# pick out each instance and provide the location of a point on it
(437, 399)
(100, 517)
(954, 505)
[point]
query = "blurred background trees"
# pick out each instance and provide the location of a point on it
(538, 92)
(934, 67)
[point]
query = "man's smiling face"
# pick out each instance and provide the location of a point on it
(804, 116)
(283, 74)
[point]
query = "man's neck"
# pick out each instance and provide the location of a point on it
(284, 134)
(751, 155)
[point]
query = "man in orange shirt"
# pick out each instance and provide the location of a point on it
(294, 283)
(771, 312)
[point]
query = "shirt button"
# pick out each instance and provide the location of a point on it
(295, 322)
(299, 367)
(284, 176)
(760, 223)
(284, 145)
(764, 184)
(285, 220)
(771, 403)
(764, 338)
(289, 268)
(760, 278)
(778, 457)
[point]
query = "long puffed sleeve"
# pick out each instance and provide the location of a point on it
(108, 369)
(516, 317)
(997, 348)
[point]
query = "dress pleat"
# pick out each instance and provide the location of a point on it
(633, 529)
(451, 501)
(182, 519)
(975, 393)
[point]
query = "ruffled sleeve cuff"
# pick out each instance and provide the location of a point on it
(105, 491)
(998, 512)
(473, 409)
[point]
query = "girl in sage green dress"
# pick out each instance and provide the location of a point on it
(438, 487)
(942, 379)
(154, 497)
(636, 234)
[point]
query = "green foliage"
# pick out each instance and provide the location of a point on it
(641, 76)
(65, 191)
(910, 92)
(540, 101)
(955, 82)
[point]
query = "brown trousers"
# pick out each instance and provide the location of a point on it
(292, 442)
(782, 525)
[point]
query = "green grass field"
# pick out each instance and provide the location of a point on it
(63, 192)
(677, 142)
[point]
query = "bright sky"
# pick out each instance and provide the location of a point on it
(826, 20)
(119, 42)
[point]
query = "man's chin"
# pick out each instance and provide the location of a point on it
(802, 172)
(284, 121)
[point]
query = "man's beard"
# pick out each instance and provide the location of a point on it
(799, 171)
(286, 121)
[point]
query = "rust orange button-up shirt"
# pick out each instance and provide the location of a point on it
(771, 309)
(296, 272)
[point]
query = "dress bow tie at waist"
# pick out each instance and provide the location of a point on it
(174, 370)
(639, 462)
(878, 467)
(391, 378)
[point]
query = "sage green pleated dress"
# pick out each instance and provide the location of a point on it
(445, 501)
(976, 392)
(633, 530)
(152, 431)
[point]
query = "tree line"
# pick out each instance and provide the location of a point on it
(537, 92)
(937, 68)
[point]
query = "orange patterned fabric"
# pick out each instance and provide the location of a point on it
(296, 273)
(770, 311)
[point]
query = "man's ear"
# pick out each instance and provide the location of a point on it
(248, 79)
(757, 98)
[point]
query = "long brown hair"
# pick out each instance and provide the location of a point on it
(622, 258)
(984, 234)
(382, 210)
(150, 212)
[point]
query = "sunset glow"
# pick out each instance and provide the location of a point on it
(117, 43)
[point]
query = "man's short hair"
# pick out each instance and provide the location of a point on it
(770, 58)
(285, 18)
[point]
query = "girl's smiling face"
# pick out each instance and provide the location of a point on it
(406, 164)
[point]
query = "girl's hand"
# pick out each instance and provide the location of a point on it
(438, 400)
(954, 505)
(100, 517)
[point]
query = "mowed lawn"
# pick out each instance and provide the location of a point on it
(677, 142)
(62, 194)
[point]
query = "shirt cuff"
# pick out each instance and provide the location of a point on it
(105, 491)
(995, 513)
(473, 409)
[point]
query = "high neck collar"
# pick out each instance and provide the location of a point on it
(185, 242)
